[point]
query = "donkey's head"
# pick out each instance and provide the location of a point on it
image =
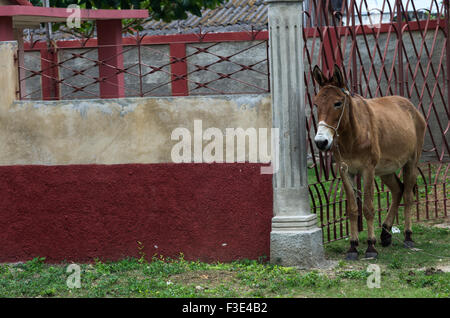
(331, 101)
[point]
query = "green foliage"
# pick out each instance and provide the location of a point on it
(34, 265)
(166, 10)
(395, 263)
(437, 281)
(358, 274)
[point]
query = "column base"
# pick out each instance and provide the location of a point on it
(300, 248)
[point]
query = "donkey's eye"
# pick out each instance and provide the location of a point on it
(337, 105)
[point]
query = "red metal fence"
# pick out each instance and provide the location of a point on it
(181, 65)
(397, 48)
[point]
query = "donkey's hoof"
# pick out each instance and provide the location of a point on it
(386, 237)
(371, 252)
(385, 242)
(408, 244)
(371, 255)
(352, 256)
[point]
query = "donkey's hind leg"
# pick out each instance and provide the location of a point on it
(368, 210)
(409, 180)
(396, 186)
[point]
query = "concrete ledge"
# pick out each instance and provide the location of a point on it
(294, 222)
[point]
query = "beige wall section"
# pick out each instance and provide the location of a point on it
(129, 130)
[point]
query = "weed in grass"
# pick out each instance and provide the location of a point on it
(164, 267)
(35, 265)
(438, 281)
(354, 274)
(141, 252)
(395, 263)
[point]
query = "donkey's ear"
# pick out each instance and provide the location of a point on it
(318, 76)
(337, 79)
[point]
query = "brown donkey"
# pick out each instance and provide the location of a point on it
(370, 137)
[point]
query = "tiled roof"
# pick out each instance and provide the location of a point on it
(233, 15)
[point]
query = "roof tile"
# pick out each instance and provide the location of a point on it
(233, 15)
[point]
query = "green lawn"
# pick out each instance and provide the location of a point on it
(404, 273)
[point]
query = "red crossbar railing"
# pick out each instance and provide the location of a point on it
(390, 55)
(182, 73)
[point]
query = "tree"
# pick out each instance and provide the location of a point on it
(166, 10)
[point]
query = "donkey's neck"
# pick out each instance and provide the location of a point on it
(353, 137)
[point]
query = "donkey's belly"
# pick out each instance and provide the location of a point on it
(384, 166)
(355, 166)
(388, 166)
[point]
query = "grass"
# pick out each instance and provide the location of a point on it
(404, 273)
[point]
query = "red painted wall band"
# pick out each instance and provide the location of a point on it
(78, 213)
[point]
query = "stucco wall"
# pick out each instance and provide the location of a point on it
(130, 130)
(87, 179)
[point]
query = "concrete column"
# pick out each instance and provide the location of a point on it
(8, 75)
(296, 240)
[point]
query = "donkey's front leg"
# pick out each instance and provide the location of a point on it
(352, 213)
(368, 210)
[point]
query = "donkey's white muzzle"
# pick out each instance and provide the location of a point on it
(324, 137)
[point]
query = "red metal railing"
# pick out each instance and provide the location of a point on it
(389, 55)
(71, 69)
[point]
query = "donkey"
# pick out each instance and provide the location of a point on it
(370, 137)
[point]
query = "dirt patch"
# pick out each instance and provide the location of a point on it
(443, 224)
(444, 268)
(436, 269)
